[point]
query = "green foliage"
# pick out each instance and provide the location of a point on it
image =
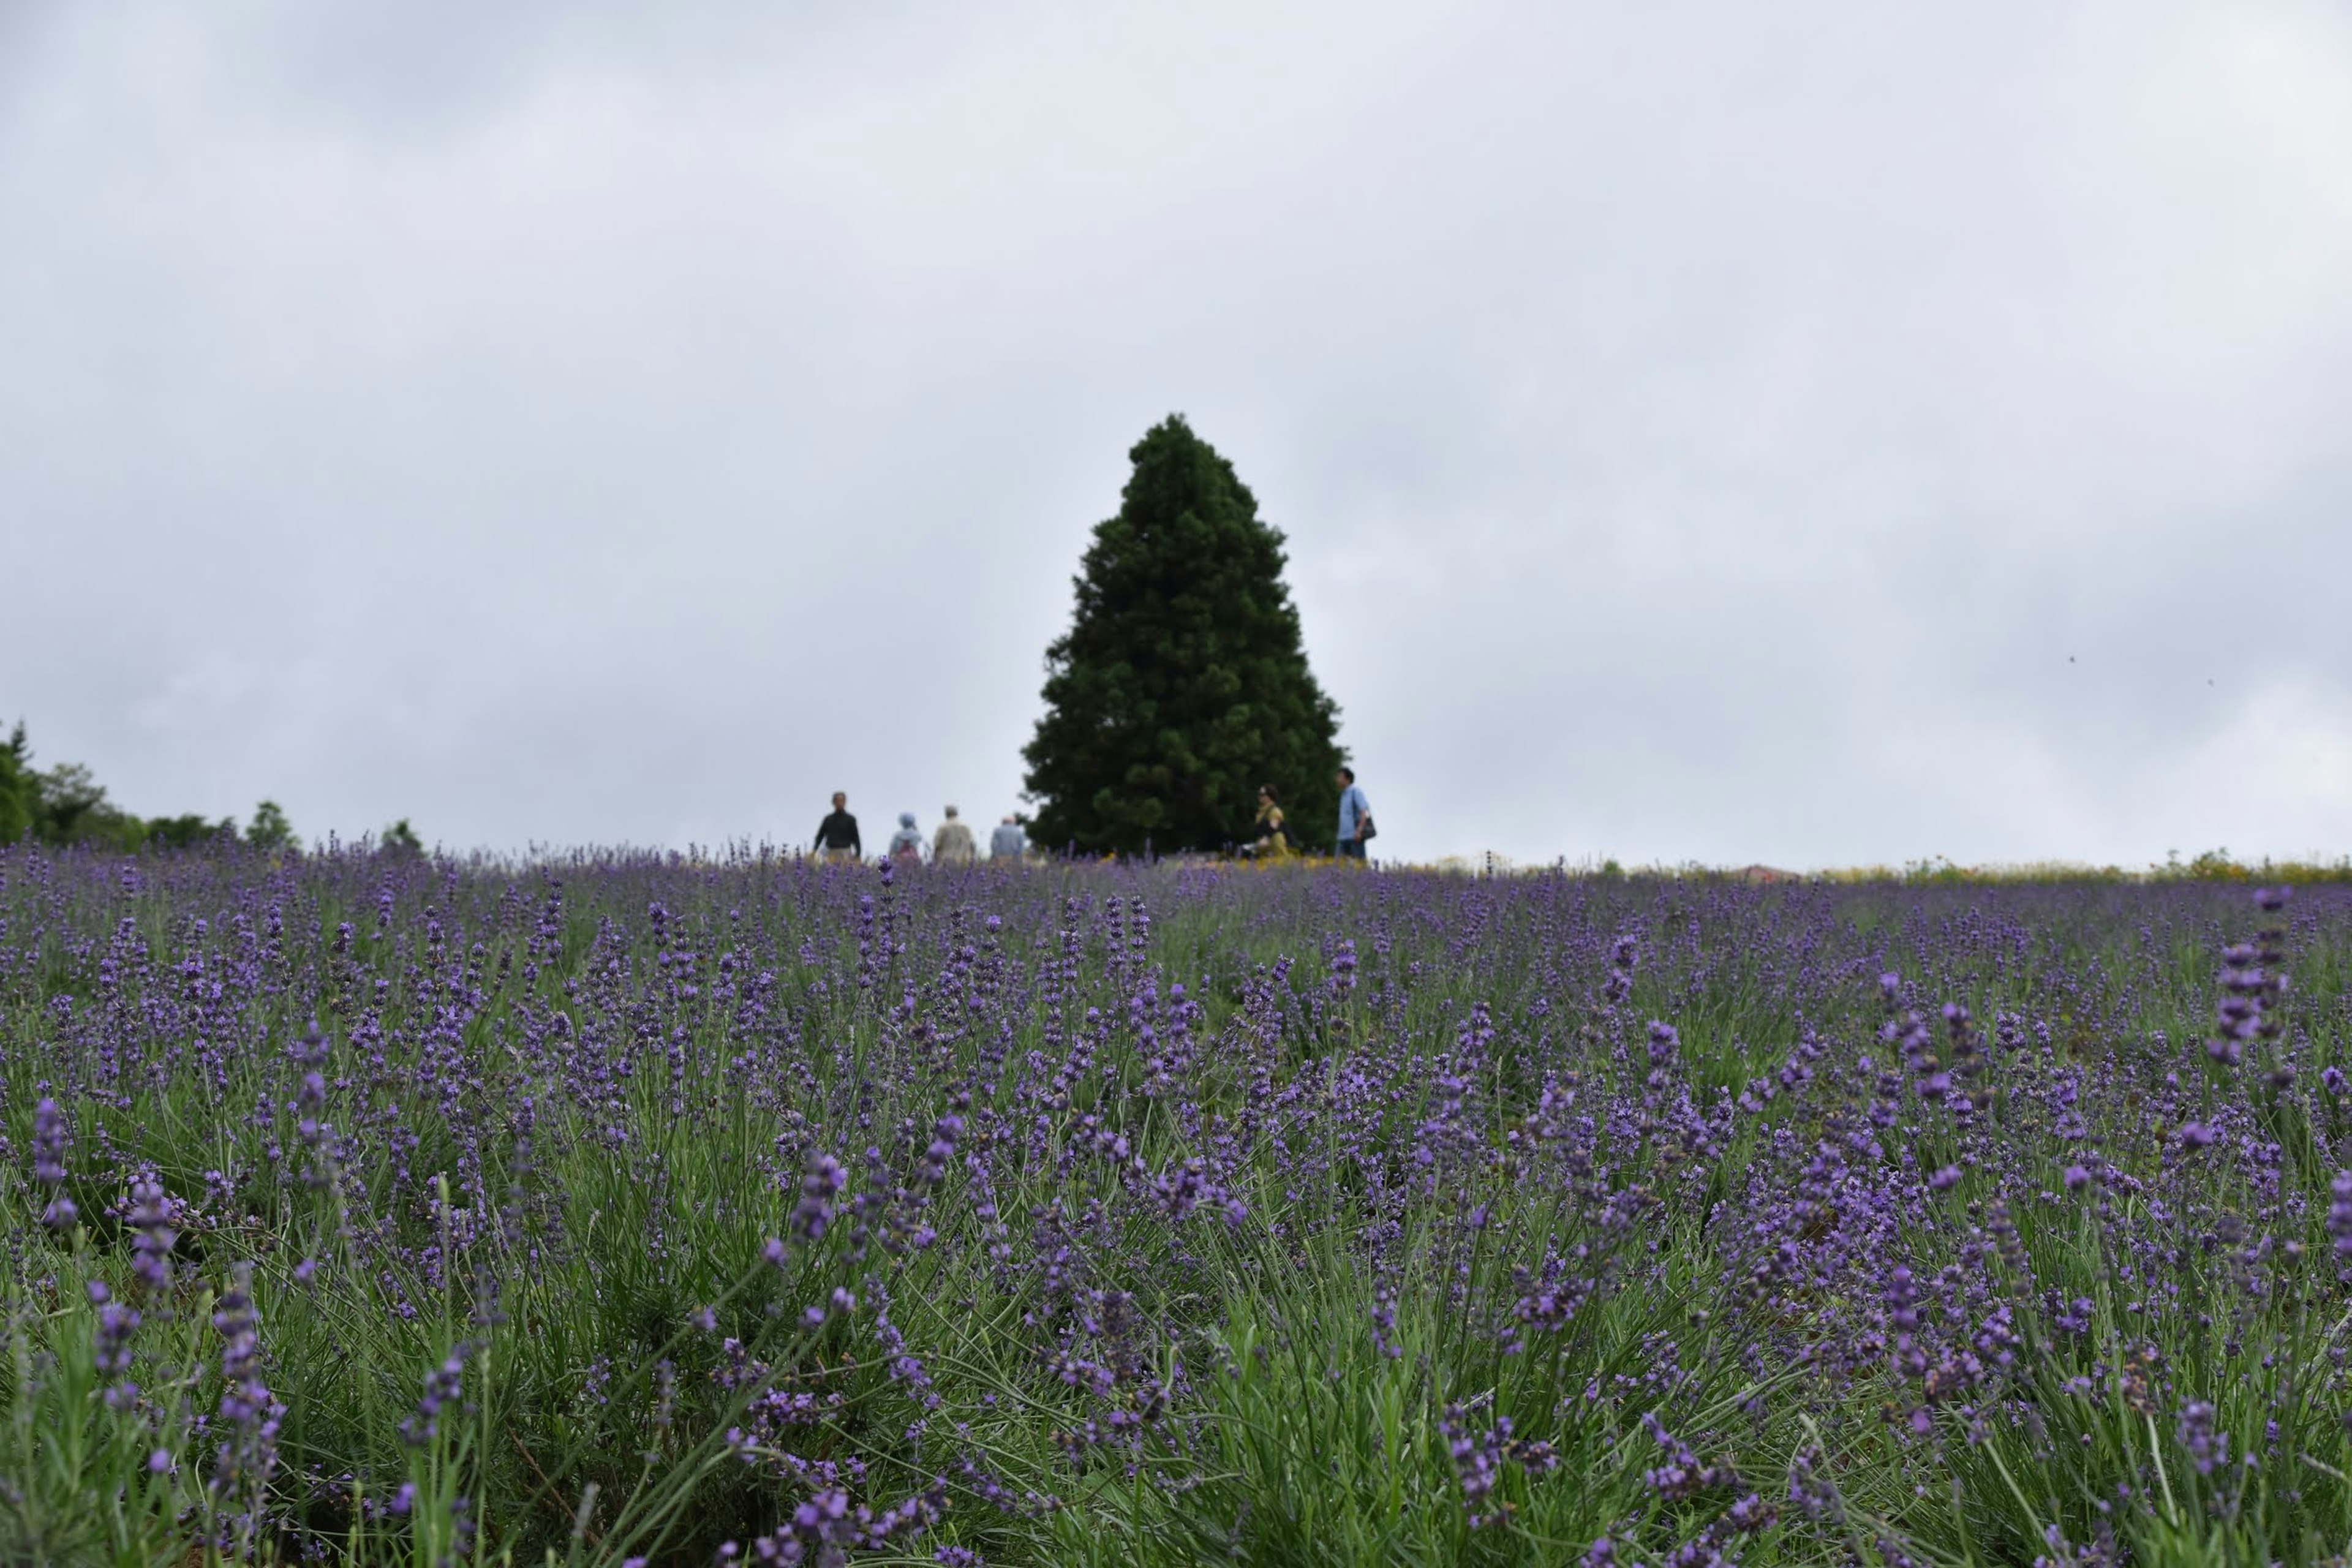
(74, 809)
(86, 1483)
(1182, 683)
(1324, 1354)
(270, 829)
(402, 839)
(17, 798)
(67, 804)
(187, 831)
(2210, 866)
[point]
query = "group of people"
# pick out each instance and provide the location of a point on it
(1356, 828)
(837, 840)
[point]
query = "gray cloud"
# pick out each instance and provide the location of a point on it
(1701, 433)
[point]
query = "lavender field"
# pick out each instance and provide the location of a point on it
(371, 1208)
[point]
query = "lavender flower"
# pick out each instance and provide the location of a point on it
(2207, 1449)
(249, 1413)
(1478, 1459)
(444, 1386)
(151, 1217)
(49, 1139)
(110, 1346)
(1682, 1475)
(561, 1095)
(813, 1213)
(1810, 1491)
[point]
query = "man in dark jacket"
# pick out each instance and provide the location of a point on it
(837, 835)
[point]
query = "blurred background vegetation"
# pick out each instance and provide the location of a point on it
(67, 804)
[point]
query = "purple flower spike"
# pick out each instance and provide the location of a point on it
(444, 1386)
(49, 1143)
(813, 1213)
(49, 1139)
(249, 1413)
(2339, 1213)
(2206, 1448)
(151, 1250)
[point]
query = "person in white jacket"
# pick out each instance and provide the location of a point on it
(952, 844)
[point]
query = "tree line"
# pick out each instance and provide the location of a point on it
(66, 805)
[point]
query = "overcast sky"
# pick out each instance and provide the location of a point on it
(1803, 434)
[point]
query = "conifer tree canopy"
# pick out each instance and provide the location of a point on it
(1182, 683)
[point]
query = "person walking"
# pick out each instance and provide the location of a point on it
(952, 844)
(837, 835)
(907, 844)
(1008, 842)
(1355, 817)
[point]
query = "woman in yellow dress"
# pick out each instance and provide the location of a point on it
(1272, 845)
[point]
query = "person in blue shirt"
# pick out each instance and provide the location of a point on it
(1355, 817)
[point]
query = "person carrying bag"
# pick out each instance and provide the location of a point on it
(1356, 828)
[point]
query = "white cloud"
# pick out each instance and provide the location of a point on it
(1701, 432)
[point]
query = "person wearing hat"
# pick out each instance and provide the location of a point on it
(952, 844)
(907, 844)
(1272, 843)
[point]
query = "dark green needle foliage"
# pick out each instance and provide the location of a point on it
(1182, 683)
(16, 797)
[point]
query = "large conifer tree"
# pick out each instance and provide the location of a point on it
(1181, 684)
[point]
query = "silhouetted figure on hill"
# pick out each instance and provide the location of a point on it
(837, 835)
